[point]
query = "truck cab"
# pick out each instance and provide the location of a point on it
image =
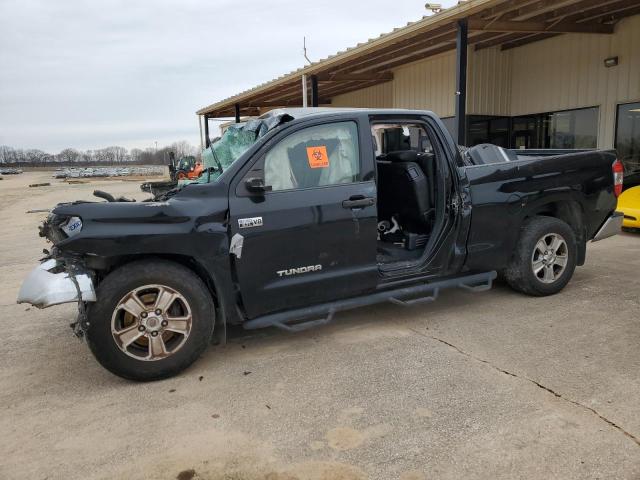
(363, 199)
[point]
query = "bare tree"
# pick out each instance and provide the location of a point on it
(182, 149)
(6, 154)
(136, 155)
(69, 155)
(108, 155)
(36, 157)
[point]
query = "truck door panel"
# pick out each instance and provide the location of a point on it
(315, 239)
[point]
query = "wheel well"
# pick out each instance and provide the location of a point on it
(184, 260)
(569, 212)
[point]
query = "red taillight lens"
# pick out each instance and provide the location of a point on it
(618, 177)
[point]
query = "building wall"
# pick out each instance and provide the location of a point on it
(559, 73)
(568, 71)
(489, 82)
(378, 96)
(428, 84)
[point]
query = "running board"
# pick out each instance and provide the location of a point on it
(293, 320)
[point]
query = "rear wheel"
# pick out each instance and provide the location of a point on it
(153, 318)
(544, 259)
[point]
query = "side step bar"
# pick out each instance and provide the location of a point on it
(292, 320)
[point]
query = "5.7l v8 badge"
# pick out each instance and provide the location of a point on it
(250, 222)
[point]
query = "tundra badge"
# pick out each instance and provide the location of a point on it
(296, 271)
(250, 222)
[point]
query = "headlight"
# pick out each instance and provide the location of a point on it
(72, 226)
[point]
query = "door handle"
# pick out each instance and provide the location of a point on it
(358, 201)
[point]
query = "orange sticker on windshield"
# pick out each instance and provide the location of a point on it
(318, 157)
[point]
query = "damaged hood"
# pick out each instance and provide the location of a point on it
(73, 225)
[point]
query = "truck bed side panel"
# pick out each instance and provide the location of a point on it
(504, 194)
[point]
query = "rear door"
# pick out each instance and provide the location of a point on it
(312, 238)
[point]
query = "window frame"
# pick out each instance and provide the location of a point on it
(448, 118)
(616, 123)
(256, 165)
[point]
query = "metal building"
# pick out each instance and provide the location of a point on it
(517, 73)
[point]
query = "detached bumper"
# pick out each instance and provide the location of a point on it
(611, 227)
(42, 288)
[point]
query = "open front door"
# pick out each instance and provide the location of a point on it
(310, 236)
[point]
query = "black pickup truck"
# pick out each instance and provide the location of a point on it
(314, 211)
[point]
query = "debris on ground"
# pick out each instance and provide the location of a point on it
(39, 210)
(91, 172)
(186, 474)
(159, 188)
(40, 185)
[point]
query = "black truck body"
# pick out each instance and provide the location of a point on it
(292, 257)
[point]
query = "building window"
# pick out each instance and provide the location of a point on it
(628, 136)
(573, 129)
(565, 129)
(487, 129)
(524, 132)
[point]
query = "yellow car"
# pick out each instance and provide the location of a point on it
(629, 205)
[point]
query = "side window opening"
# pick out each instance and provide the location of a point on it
(314, 157)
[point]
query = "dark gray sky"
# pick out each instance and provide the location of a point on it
(89, 74)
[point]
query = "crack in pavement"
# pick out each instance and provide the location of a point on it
(537, 384)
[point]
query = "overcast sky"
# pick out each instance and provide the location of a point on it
(89, 74)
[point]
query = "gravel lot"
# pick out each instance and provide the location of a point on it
(489, 385)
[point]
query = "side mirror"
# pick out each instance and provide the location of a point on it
(256, 185)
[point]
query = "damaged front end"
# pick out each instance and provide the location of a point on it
(60, 278)
(54, 282)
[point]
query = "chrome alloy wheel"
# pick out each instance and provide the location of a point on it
(549, 258)
(151, 322)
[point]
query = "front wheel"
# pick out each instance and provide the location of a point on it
(544, 259)
(153, 319)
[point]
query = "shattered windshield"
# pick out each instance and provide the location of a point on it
(236, 140)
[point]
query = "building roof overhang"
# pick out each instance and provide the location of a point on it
(504, 23)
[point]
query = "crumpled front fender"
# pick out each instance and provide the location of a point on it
(43, 288)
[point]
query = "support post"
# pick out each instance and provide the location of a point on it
(461, 81)
(237, 108)
(200, 126)
(304, 91)
(314, 90)
(206, 131)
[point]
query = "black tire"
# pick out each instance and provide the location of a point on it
(128, 278)
(520, 274)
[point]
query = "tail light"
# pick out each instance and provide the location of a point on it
(618, 177)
